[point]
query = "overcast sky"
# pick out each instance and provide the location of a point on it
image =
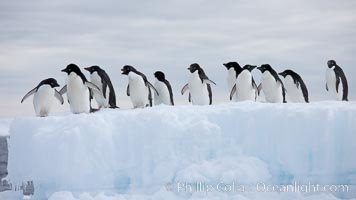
(39, 38)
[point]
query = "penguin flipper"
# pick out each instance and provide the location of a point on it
(189, 98)
(233, 91)
(185, 88)
(326, 87)
(208, 81)
(170, 91)
(58, 96)
(92, 86)
(128, 90)
(259, 88)
(63, 90)
(31, 92)
(210, 94)
(149, 96)
(337, 84)
(151, 86)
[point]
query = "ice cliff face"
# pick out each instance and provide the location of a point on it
(143, 150)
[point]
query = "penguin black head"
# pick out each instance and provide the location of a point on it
(234, 65)
(249, 67)
(331, 63)
(50, 81)
(265, 67)
(93, 69)
(160, 75)
(194, 67)
(127, 69)
(72, 68)
(286, 72)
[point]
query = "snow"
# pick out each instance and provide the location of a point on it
(148, 153)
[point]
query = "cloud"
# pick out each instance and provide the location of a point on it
(39, 38)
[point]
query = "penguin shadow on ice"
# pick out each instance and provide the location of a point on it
(138, 88)
(43, 95)
(199, 86)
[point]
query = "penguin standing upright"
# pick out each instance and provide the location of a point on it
(164, 90)
(101, 79)
(297, 91)
(198, 86)
(78, 90)
(44, 93)
(272, 85)
(139, 88)
(336, 82)
(234, 69)
(245, 86)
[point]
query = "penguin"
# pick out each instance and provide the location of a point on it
(336, 82)
(43, 95)
(272, 85)
(164, 90)
(198, 86)
(297, 91)
(101, 79)
(245, 86)
(138, 88)
(234, 69)
(79, 90)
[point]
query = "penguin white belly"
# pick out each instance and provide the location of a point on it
(163, 92)
(78, 94)
(42, 100)
(331, 83)
(271, 88)
(244, 89)
(294, 94)
(231, 80)
(138, 91)
(198, 90)
(96, 80)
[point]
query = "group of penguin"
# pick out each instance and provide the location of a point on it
(241, 83)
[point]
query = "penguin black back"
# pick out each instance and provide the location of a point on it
(298, 81)
(161, 77)
(105, 80)
(75, 69)
(266, 67)
(339, 74)
(234, 65)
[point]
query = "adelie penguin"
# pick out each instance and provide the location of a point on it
(100, 78)
(164, 90)
(139, 88)
(199, 86)
(79, 90)
(297, 91)
(336, 82)
(245, 86)
(233, 70)
(43, 95)
(272, 85)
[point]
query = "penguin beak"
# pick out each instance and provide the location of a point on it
(259, 68)
(64, 70)
(280, 73)
(123, 71)
(87, 68)
(56, 85)
(253, 67)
